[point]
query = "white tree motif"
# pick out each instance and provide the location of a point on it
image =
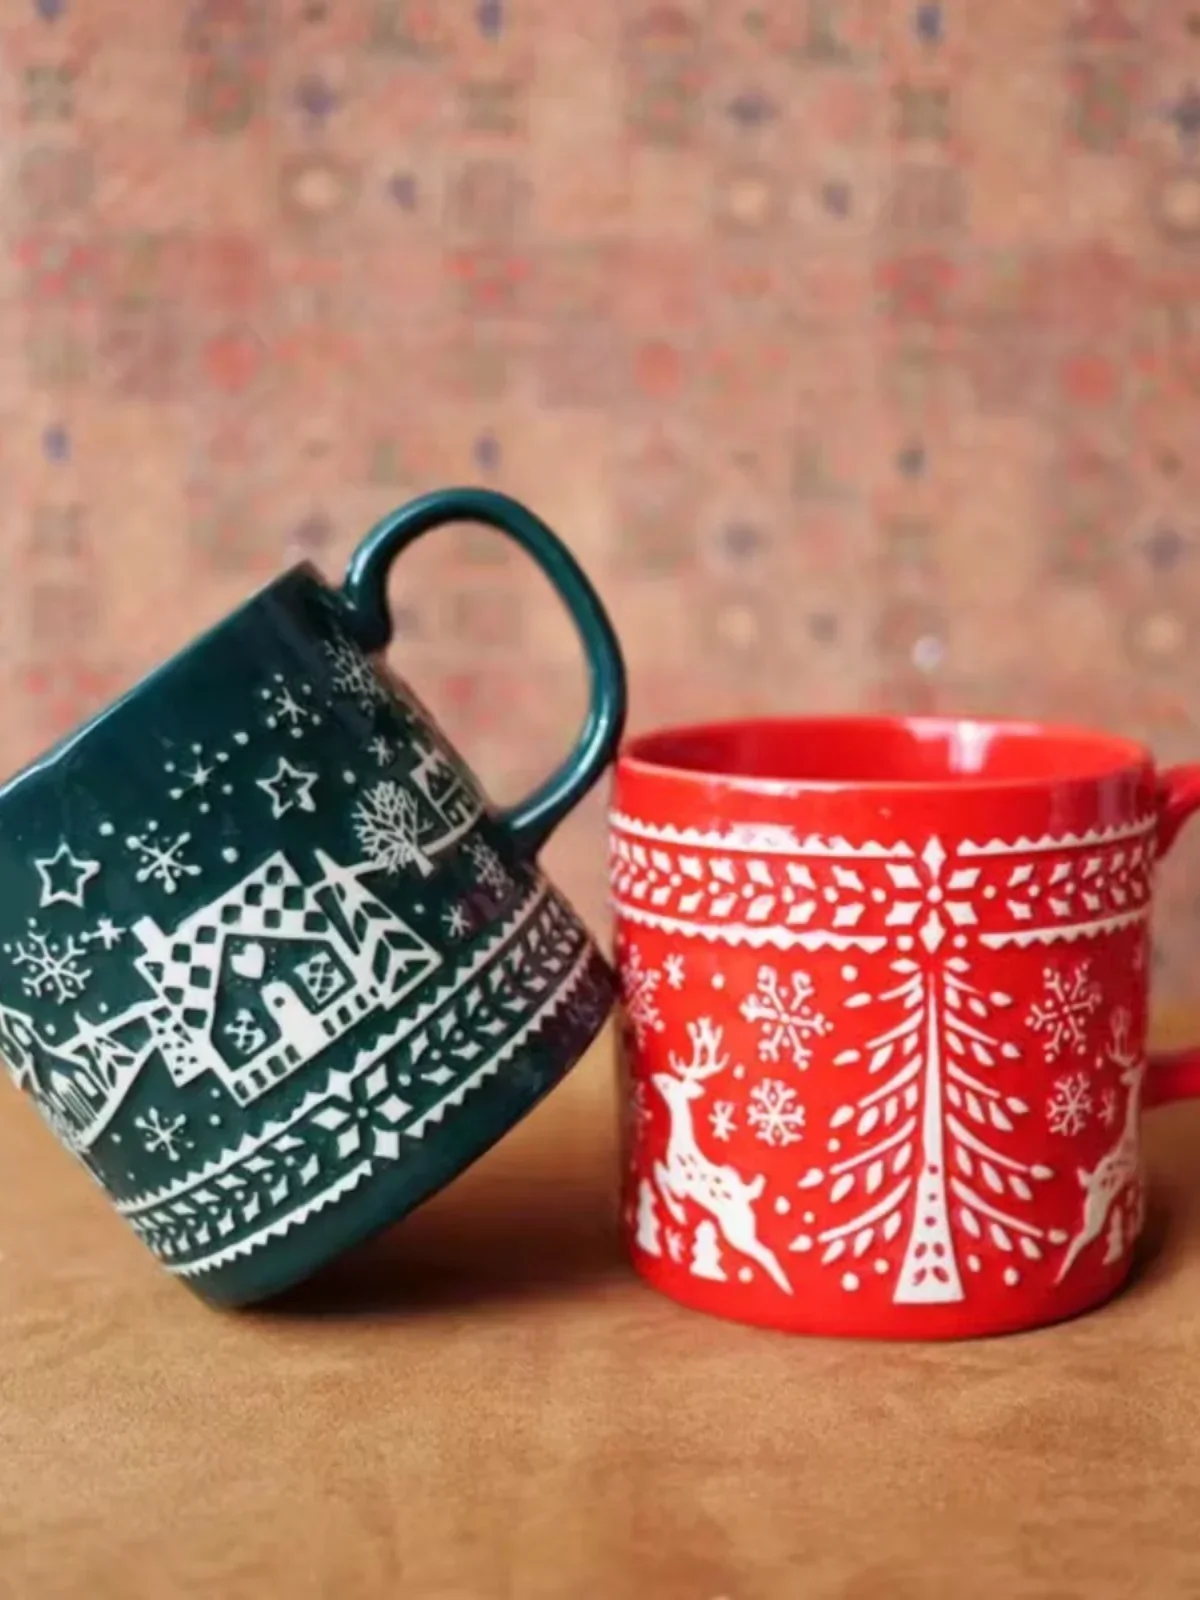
(1069, 1000)
(639, 984)
(930, 1128)
(51, 968)
(786, 1021)
(353, 673)
(490, 871)
(162, 1133)
(387, 823)
(774, 1113)
(1069, 1108)
(161, 862)
(706, 1253)
(648, 1225)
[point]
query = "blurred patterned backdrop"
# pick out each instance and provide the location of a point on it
(854, 346)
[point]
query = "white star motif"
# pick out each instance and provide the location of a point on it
(63, 863)
(289, 786)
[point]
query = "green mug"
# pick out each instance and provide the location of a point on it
(269, 963)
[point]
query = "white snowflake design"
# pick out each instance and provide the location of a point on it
(457, 921)
(673, 970)
(387, 823)
(722, 1119)
(161, 1133)
(283, 709)
(786, 1021)
(490, 871)
(353, 674)
(51, 968)
(381, 749)
(638, 986)
(774, 1113)
(160, 862)
(1069, 1000)
(1070, 1106)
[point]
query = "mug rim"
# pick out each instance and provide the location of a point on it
(67, 744)
(643, 756)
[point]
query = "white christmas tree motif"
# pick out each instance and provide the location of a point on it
(51, 968)
(673, 970)
(353, 674)
(787, 1023)
(648, 1226)
(244, 1032)
(774, 1114)
(722, 1119)
(1069, 1108)
(162, 1133)
(490, 871)
(639, 984)
(1062, 1014)
(706, 1254)
(932, 1127)
(387, 823)
(159, 861)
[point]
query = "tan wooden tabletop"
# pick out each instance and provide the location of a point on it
(485, 1403)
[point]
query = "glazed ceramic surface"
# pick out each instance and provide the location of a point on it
(269, 964)
(885, 995)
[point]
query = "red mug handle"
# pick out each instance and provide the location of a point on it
(1174, 1074)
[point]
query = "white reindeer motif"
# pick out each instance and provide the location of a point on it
(1120, 1166)
(687, 1174)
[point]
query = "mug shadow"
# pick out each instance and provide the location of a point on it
(516, 1227)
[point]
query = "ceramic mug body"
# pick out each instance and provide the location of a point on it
(885, 997)
(269, 964)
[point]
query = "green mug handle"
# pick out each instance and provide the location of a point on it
(365, 594)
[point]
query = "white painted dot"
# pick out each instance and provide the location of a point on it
(169, 767)
(739, 1072)
(829, 894)
(803, 1243)
(229, 853)
(745, 1275)
(718, 980)
(974, 1263)
(204, 807)
(879, 896)
(881, 1266)
(783, 1205)
(960, 941)
(850, 1281)
(990, 892)
(1011, 1277)
(241, 738)
(106, 828)
(849, 973)
(904, 942)
(116, 1138)
(214, 1122)
(222, 755)
(349, 777)
(226, 788)
(834, 1144)
(1034, 892)
(935, 895)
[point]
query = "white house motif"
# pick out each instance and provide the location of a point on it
(262, 980)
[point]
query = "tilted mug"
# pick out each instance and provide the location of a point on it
(269, 963)
(885, 994)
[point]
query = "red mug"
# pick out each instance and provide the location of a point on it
(884, 989)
